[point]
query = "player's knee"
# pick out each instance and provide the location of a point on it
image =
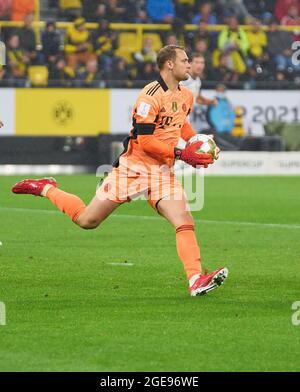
(185, 217)
(87, 223)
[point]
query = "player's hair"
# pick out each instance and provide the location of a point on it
(167, 53)
(195, 55)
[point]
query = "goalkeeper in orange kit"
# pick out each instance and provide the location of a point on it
(145, 167)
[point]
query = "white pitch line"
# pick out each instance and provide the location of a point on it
(221, 222)
(123, 264)
(33, 210)
(145, 217)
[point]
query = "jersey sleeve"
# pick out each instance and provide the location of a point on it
(146, 114)
(187, 131)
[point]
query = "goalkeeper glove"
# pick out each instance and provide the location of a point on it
(190, 156)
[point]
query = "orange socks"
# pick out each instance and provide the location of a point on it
(66, 202)
(188, 249)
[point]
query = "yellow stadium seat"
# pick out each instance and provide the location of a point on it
(69, 4)
(128, 44)
(157, 44)
(38, 75)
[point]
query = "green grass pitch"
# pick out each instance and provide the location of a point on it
(68, 308)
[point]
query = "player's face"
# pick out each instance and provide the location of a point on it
(197, 66)
(181, 66)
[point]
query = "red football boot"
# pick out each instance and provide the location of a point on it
(208, 282)
(33, 187)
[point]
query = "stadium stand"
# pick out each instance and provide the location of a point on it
(245, 43)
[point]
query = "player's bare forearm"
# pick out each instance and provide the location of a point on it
(206, 101)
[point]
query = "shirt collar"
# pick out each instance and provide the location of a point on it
(164, 85)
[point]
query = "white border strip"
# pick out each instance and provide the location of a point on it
(32, 170)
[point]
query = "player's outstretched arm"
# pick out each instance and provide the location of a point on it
(201, 100)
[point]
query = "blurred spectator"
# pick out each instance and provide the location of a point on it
(5, 9)
(221, 118)
(104, 43)
(141, 16)
(78, 47)
(224, 72)
(134, 10)
(257, 60)
(161, 11)
(201, 34)
(115, 11)
(70, 9)
(21, 8)
(60, 75)
(27, 39)
(193, 83)
(202, 49)
(119, 74)
(53, 3)
(177, 35)
(261, 9)
(282, 6)
(89, 75)
(185, 8)
(96, 12)
(147, 53)
(205, 14)
(233, 41)
(2, 79)
(51, 42)
(257, 39)
(17, 60)
(292, 19)
(178, 31)
(147, 71)
(279, 48)
(90, 9)
(234, 7)
(171, 39)
(233, 57)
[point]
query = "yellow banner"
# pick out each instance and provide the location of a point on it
(62, 112)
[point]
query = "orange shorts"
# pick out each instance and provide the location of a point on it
(126, 183)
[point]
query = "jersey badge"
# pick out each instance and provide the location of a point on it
(143, 109)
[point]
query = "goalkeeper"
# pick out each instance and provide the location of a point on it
(145, 166)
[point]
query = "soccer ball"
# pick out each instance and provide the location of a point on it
(208, 147)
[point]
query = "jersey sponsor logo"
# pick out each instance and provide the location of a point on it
(143, 109)
(166, 120)
(174, 106)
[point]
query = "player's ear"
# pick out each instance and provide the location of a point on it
(170, 64)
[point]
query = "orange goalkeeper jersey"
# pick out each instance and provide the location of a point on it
(159, 119)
